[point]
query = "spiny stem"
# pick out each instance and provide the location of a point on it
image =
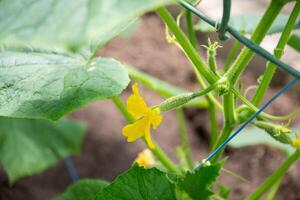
(158, 152)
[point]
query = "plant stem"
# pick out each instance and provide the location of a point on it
(213, 124)
(158, 152)
(278, 52)
(209, 97)
(232, 55)
(250, 44)
(261, 30)
(229, 117)
(198, 64)
(274, 189)
(184, 137)
(186, 45)
(118, 102)
(190, 29)
(278, 174)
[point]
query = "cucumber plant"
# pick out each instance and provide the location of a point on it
(49, 67)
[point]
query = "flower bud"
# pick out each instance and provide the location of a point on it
(296, 143)
(223, 87)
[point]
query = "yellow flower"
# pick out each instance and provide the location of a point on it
(296, 143)
(145, 118)
(145, 159)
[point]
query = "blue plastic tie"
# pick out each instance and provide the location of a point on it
(237, 131)
(71, 169)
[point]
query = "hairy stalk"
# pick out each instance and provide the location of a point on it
(158, 152)
(184, 137)
(261, 30)
(278, 52)
(277, 175)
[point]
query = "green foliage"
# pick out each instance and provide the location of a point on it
(197, 184)
(139, 184)
(49, 83)
(294, 41)
(31, 146)
(42, 84)
(246, 24)
(68, 24)
(84, 189)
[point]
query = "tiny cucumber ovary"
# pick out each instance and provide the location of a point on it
(279, 133)
(175, 102)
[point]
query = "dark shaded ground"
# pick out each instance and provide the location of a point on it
(105, 153)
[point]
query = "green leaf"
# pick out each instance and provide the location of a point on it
(84, 189)
(70, 24)
(254, 136)
(197, 184)
(246, 24)
(294, 41)
(139, 184)
(31, 146)
(41, 84)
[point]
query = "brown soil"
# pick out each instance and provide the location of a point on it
(105, 153)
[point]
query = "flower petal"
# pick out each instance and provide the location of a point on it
(155, 118)
(136, 105)
(145, 159)
(148, 139)
(136, 130)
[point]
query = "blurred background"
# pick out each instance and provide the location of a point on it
(105, 153)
